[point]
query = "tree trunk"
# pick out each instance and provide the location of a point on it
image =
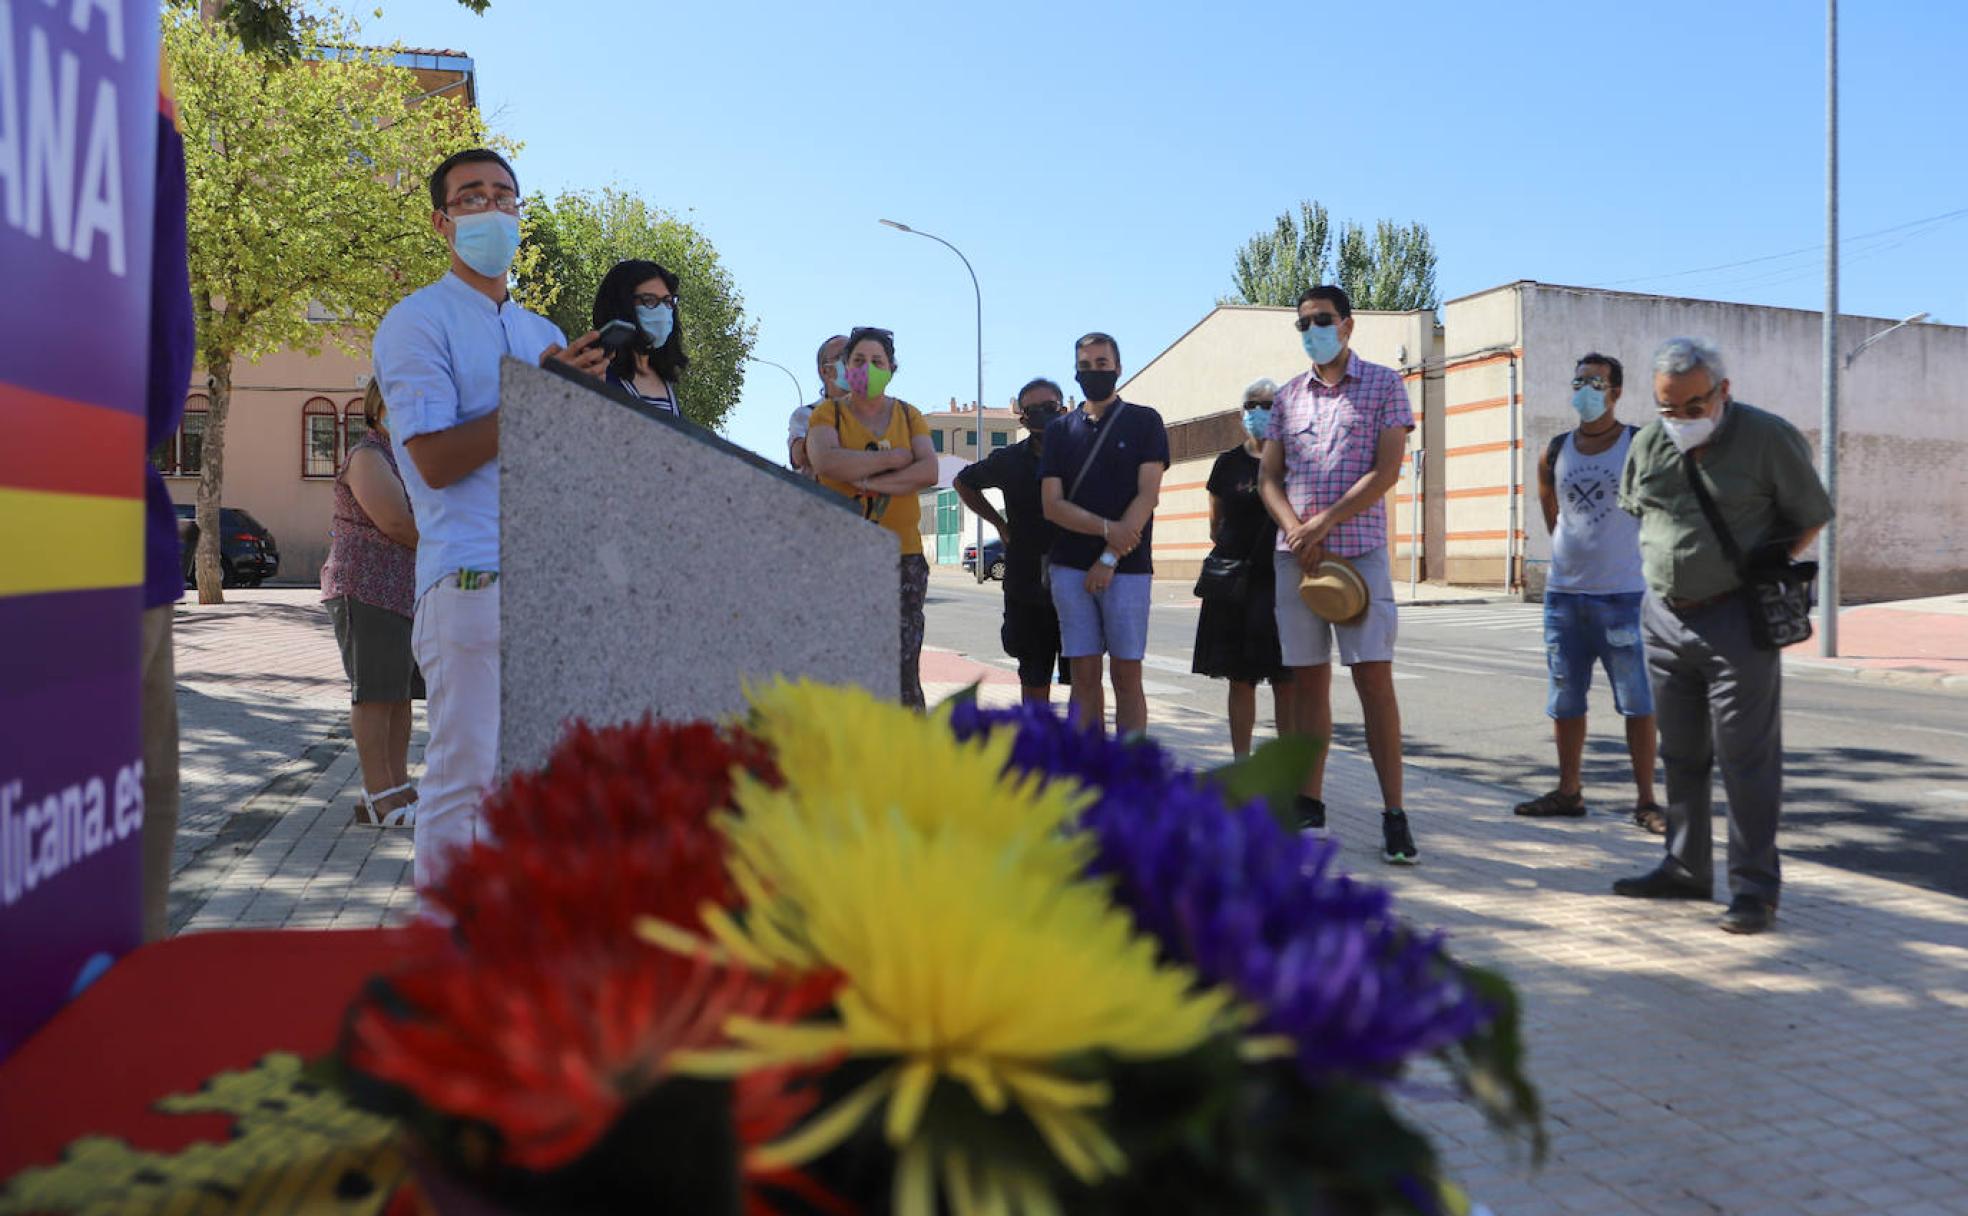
(211, 482)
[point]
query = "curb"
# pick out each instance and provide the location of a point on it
(1902, 677)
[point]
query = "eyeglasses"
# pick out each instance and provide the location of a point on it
(1043, 407)
(645, 300)
(473, 204)
(1598, 382)
(1320, 319)
(1693, 407)
(1258, 403)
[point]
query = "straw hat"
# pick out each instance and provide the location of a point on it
(1335, 591)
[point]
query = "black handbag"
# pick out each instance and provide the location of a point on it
(1224, 578)
(1780, 590)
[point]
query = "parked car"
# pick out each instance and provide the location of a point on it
(994, 559)
(247, 552)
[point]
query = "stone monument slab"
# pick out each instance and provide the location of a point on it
(649, 566)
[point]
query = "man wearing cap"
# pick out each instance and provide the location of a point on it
(1719, 693)
(1337, 435)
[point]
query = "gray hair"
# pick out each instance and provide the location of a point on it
(1263, 386)
(1679, 356)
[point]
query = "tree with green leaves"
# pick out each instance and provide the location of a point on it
(573, 240)
(1391, 268)
(277, 27)
(305, 186)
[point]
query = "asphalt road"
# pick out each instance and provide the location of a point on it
(1876, 775)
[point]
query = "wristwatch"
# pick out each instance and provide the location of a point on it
(1109, 559)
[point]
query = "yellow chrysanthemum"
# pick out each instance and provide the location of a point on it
(968, 947)
(845, 738)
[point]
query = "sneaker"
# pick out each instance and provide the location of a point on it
(1311, 814)
(1398, 846)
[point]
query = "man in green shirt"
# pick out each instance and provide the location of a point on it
(1717, 694)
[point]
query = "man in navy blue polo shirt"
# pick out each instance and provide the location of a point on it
(1101, 475)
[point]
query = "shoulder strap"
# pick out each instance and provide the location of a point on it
(1551, 453)
(1098, 442)
(1729, 549)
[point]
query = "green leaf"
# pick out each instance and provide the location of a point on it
(1489, 1065)
(1274, 772)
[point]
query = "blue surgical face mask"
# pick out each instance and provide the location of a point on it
(1589, 403)
(1322, 343)
(1258, 422)
(486, 241)
(657, 322)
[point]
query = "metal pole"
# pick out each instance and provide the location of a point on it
(1510, 506)
(1828, 429)
(799, 394)
(1414, 524)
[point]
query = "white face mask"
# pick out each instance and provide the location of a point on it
(1690, 433)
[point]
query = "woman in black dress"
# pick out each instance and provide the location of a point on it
(1237, 637)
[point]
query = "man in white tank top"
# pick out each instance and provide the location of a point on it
(1592, 599)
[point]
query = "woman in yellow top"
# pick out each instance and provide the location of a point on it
(875, 449)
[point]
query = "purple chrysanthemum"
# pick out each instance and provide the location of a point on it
(1249, 905)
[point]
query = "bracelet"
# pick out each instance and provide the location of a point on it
(1103, 529)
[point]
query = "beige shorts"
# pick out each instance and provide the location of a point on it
(1306, 639)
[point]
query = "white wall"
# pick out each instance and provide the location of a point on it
(1903, 414)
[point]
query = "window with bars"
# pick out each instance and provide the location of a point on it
(354, 427)
(182, 454)
(321, 438)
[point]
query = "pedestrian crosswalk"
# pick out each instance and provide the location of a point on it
(1500, 617)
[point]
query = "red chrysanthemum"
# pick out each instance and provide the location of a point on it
(614, 827)
(550, 1052)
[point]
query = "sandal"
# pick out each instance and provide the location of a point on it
(1553, 805)
(401, 816)
(1652, 818)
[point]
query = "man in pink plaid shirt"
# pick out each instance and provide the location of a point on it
(1337, 435)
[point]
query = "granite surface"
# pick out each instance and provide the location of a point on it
(648, 566)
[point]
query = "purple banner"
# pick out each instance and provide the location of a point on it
(79, 106)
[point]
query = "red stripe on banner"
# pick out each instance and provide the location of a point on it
(67, 447)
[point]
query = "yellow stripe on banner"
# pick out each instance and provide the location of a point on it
(69, 542)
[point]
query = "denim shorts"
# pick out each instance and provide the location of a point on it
(1115, 622)
(1581, 630)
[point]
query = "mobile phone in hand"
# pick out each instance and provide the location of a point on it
(618, 333)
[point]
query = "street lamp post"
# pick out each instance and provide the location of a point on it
(799, 394)
(979, 293)
(1828, 424)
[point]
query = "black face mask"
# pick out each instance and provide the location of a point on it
(1037, 421)
(1097, 385)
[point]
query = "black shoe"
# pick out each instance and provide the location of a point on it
(1397, 842)
(1749, 914)
(1557, 803)
(1311, 814)
(1666, 881)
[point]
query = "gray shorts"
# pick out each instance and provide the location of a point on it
(1306, 639)
(1113, 623)
(376, 654)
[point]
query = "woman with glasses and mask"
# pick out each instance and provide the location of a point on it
(1237, 631)
(648, 365)
(876, 450)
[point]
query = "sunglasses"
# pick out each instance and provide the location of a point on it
(1261, 403)
(1598, 382)
(1320, 319)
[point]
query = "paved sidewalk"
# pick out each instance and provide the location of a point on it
(1815, 1070)
(1922, 641)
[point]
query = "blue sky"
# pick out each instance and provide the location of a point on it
(1100, 163)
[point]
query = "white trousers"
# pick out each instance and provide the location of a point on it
(455, 637)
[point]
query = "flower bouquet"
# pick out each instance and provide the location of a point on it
(848, 958)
